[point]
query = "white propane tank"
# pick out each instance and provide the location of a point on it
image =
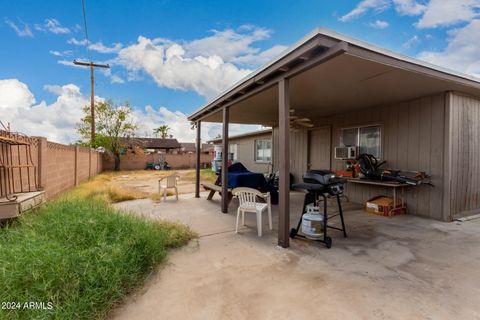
(312, 223)
(218, 153)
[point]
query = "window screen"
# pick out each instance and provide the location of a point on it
(263, 150)
(366, 139)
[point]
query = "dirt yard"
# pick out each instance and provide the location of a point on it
(147, 180)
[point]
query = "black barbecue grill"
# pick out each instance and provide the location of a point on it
(321, 184)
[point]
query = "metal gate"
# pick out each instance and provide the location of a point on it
(18, 173)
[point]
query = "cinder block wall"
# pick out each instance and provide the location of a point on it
(176, 161)
(59, 167)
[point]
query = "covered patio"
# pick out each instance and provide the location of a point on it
(337, 82)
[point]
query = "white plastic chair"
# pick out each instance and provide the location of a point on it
(248, 203)
(165, 183)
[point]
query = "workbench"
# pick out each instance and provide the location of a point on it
(388, 184)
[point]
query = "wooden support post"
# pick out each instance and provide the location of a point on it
(198, 151)
(284, 163)
(225, 160)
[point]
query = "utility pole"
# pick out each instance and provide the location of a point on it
(92, 66)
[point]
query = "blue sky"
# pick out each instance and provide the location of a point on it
(225, 40)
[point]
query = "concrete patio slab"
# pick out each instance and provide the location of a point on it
(388, 268)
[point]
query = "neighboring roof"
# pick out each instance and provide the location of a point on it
(318, 42)
(243, 135)
(152, 143)
(190, 147)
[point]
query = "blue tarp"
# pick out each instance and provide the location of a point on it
(239, 176)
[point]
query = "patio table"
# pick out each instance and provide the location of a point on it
(388, 184)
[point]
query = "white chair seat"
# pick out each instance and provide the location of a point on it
(261, 206)
(166, 183)
(248, 203)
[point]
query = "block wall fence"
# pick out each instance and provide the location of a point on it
(59, 167)
(176, 161)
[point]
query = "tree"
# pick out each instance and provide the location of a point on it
(162, 130)
(113, 124)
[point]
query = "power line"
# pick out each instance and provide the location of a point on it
(92, 67)
(87, 41)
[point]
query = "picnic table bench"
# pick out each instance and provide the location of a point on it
(216, 188)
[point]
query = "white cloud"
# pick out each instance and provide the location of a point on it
(14, 95)
(170, 67)
(409, 7)
(52, 25)
(64, 53)
(462, 52)
(207, 66)
(261, 57)
(379, 24)
(403, 7)
(114, 78)
(365, 6)
(231, 45)
(57, 121)
(413, 41)
(180, 127)
(97, 46)
(76, 42)
(101, 48)
(21, 32)
(440, 13)
(68, 63)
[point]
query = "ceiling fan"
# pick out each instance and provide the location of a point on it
(297, 123)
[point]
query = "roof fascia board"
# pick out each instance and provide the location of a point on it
(336, 50)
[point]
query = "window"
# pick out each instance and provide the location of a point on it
(233, 152)
(263, 150)
(367, 139)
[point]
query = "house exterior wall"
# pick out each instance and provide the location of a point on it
(246, 152)
(298, 153)
(412, 138)
(464, 161)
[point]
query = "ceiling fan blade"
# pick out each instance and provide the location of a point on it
(303, 120)
(303, 124)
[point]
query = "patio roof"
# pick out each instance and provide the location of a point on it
(331, 73)
(324, 74)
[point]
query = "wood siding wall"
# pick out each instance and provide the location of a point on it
(465, 157)
(246, 152)
(412, 139)
(298, 153)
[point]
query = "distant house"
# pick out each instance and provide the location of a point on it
(154, 145)
(253, 149)
(189, 148)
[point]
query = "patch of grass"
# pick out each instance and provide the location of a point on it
(206, 175)
(100, 187)
(158, 197)
(81, 255)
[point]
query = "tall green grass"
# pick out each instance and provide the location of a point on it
(81, 256)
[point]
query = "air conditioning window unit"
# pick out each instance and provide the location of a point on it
(345, 153)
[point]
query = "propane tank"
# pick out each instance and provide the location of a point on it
(312, 222)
